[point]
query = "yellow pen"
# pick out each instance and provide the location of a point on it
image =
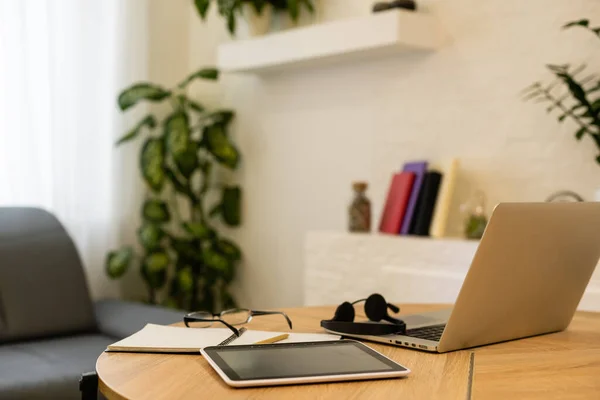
(274, 339)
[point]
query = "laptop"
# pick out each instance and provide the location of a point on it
(527, 277)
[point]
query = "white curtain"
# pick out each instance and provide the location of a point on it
(62, 63)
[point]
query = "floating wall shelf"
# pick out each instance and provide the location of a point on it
(374, 36)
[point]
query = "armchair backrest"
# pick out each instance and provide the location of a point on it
(43, 291)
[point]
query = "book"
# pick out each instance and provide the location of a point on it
(426, 204)
(173, 339)
(397, 200)
(439, 224)
(418, 168)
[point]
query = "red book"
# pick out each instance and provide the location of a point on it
(397, 202)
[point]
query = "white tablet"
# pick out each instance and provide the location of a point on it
(296, 363)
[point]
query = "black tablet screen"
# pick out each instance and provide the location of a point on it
(287, 361)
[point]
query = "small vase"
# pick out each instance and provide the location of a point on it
(359, 212)
(258, 24)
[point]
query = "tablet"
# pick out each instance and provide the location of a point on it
(296, 363)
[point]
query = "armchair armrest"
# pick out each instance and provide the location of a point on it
(119, 319)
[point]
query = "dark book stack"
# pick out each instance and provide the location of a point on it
(426, 204)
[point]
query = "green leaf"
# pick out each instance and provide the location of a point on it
(152, 164)
(229, 249)
(231, 23)
(581, 22)
(187, 162)
(231, 205)
(117, 262)
(186, 102)
(579, 134)
(185, 279)
(598, 159)
(148, 121)
(223, 117)
(219, 146)
(216, 260)
(177, 133)
(198, 230)
(562, 117)
(179, 186)
(156, 211)
(154, 269)
(204, 73)
(293, 9)
(150, 236)
(202, 7)
(141, 91)
(187, 251)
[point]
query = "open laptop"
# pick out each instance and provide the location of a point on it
(527, 277)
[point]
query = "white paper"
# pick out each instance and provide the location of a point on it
(159, 338)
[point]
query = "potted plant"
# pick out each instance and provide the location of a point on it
(574, 94)
(258, 13)
(185, 262)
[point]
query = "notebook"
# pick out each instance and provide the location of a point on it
(172, 339)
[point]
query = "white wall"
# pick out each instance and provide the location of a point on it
(306, 135)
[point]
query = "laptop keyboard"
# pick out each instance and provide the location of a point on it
(428, 332)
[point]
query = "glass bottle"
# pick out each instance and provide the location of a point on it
(475, 220)
(359, 212)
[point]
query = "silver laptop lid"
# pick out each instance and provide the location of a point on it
(528, 274)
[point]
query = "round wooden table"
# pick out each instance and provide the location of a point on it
(561, 365)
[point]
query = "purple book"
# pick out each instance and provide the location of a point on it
(419, 168)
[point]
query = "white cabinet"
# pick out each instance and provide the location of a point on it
(344, 266)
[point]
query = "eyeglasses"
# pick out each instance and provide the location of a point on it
(229, 318)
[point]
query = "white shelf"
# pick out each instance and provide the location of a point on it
(344, 266)
(374, 36)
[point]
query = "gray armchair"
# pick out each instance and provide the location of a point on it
(50, 330)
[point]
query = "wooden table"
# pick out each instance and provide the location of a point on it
(563, 365)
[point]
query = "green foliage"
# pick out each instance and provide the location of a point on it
(573, 93)
(231, 9)
(117, 262)
(141, 91)
(184, 261)
(148, 121)
(156, 211)
(152, 161)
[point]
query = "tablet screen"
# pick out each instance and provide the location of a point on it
(299, 360)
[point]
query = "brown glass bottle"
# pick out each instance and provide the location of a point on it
(359, 212)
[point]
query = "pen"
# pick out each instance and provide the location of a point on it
(275, 339)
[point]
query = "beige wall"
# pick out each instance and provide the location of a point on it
(306, 135)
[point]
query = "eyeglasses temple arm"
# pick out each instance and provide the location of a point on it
(187, 320)
(233, 328)
(289, 321)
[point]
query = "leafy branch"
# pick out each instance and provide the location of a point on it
(184, 260)
(576, 97)
(231, 9)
